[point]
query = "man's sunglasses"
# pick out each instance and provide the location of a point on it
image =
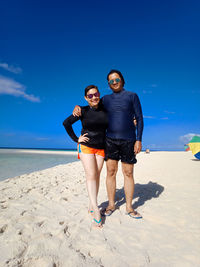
(90, 96)
(117, 80)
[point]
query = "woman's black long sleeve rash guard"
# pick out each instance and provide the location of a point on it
(94, 123)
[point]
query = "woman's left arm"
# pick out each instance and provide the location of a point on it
(68, 127)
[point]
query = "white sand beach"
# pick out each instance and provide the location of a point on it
(44, 220)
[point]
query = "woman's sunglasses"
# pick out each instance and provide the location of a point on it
(90, 96)
(117, 80)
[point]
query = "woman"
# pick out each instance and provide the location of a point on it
(91, 144)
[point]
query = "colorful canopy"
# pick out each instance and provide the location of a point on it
(194, 146)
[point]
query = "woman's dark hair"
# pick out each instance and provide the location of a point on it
(90, 87)
(119, 73)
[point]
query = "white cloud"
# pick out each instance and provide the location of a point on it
(164, 147)
(169, 112)
(148, 117)
(187, 137)
(11, 87)
(147, 92)
(10, 68)
(195, 91)
(9, 134)
(42, 138)
(152, 146)
(153, 85)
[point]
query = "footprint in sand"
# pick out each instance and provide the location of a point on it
(40, 223)
(66, 232)
(3, 228)
(20, 232)
(64, 198)
(3, 207)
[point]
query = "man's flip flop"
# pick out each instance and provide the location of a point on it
(134, 214)
(108, 212)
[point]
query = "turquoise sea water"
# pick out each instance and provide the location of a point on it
(13, 162)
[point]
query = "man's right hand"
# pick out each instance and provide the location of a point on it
(137, 147)
(77, 111)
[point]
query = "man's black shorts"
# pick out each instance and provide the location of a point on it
(118, 149)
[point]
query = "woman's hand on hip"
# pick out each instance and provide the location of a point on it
(83, 138)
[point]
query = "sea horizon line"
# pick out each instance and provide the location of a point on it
(74, 149)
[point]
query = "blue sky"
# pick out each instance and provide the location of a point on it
(51, 50)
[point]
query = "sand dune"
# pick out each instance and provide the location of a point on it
(44, 219)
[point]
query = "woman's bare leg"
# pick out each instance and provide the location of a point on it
(91, 172)
(99, 161)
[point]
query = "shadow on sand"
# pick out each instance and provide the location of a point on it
(143, 192)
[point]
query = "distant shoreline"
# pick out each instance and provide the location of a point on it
(39, 148)
(37, 151)
(25, 149)
(15, 162)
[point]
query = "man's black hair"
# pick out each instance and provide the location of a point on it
(119, 73)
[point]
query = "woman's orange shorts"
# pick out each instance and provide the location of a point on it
(89, 150)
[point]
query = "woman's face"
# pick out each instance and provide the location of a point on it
(93, 97)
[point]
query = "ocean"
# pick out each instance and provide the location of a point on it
(15, 162)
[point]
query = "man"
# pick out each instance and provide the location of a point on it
(123, 139)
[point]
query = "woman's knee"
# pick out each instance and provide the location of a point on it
(92, 176)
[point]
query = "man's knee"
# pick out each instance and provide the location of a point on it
(128, 172)
(128, 175)
(112, 167)
(111, 170)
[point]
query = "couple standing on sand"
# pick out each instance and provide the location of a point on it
(108, 132)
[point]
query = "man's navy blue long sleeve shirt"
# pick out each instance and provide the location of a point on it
(122, 107)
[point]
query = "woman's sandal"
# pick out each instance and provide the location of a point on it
(97, 223)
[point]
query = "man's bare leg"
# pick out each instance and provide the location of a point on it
(112, 167)
(129, 187)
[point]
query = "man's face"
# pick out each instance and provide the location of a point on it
(115, 82)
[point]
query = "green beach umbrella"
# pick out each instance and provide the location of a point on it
(194, 146)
